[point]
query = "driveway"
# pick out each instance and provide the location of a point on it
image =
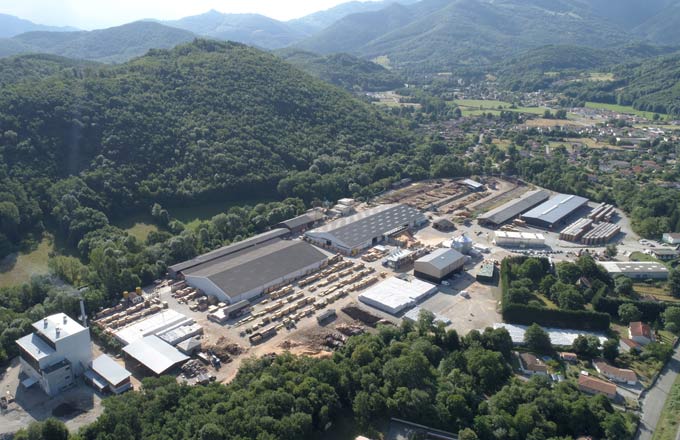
(654, 400)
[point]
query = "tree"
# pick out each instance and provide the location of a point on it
(532, 268)
(674, 282)
(671, 319)
(570, 299)
(568, 273)
(467, 434)
(537, 339)
(610, 349)
(611, 250)
(623, 286)
(586, 346)
(629, 312)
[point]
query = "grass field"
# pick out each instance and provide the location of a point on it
(639, 256)
(623, 109)
(19, 268)
(139, 225)
(667, 428)
(191, 216)
(474, 107)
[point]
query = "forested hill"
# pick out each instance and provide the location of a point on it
(344, 70)
(111, 45)
(38, 66)
(206, 120)
(652, 85)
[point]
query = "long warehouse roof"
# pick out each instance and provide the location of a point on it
(515, 207)
(230, 249)
(362, 227)
(556, 208)
(155, 354)
(251, 268)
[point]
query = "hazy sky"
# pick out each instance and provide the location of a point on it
(93, 14)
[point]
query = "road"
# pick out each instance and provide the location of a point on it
(654, 400)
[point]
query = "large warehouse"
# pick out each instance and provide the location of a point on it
(555, 211)
(439, 265)
(513, 208)
(352, 234)
(394, 294)
(175, 270)
(248, 272)
(636, 269)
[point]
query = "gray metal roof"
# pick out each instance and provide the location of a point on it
(442, 258)
(155, 354)
(301, 220)
(110, 370)
(253, 267)
(35, 346)
(515, 207)
(230, 249)
(556, 208)
(362, 227)
(472, 183)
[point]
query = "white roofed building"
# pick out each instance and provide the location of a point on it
(636, 269)
(155, 354)
(58, 351)
(395, 295)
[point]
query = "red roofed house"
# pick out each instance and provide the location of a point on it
(640, 333)
(593, 385)
(627, 345)
(615, 374)
(530, 364)
(568, 357)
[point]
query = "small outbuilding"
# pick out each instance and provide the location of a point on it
(106, 375)
(155, 354)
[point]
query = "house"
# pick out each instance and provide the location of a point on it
(665, 254)
(56, 353)
(640, 333)
(530, 364)
(627, 345)
(568, 357)
(615, 374)
(593, 385)
(671, 238)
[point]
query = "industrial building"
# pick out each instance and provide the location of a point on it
(155, 324)
(514, 208)
(154, 354)
(395, 294)
(636, 269)
(519, 239)
(414, 314)
(555, 211)
(106, 375)
(249, 272)
(360, 231)
(473, 184)
(671, 238)
(439, 265)
(58, 351)
(176, 269)
(301, 223)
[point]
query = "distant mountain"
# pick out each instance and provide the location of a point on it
(11, 26)
(322, 19)
(252, 29)
(439, 34)
(343, 70)
(663, 27)
(112, 45)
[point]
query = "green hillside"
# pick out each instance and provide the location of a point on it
(112, 45)
(440, 34)
(39, 66)
(343, 70)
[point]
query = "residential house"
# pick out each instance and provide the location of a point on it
(665, 254)
(568, 357)
(593, 385)
(640, 333)
(530, 364)
(671, 238)
(615, 374)
(627, 345)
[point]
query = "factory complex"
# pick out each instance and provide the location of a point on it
(552, 213)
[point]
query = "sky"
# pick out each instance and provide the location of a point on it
(97, 14)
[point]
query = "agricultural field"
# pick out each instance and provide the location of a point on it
(623, 109)
(18, 268)
(472, 107)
